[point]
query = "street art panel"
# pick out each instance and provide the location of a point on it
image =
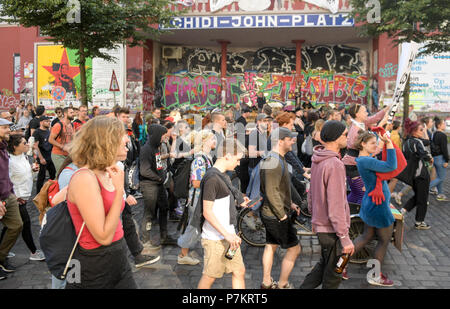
(204, 91)
(335, 74)
(338, 58)
(58, 76)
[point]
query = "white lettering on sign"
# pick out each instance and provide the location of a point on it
(260, 21)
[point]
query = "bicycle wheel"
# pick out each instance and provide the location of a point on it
(251, 228)
(356, 229)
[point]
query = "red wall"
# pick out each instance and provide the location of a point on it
(14, 40)
(387, 59)
(20, 40)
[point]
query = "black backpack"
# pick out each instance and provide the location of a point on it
(181, 177)
(57, 239)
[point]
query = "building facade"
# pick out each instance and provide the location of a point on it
(219, 52)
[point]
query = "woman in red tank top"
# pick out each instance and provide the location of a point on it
(95, 196)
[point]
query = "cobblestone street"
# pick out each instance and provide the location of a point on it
(423, 263)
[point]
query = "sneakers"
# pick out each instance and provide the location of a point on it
(288, 286)
(422, 226)
(187, 260)
(272, 286)
(149, 246)
(442, 198)
(144, 260)
(345, 275)
(180, 209)
(37, 256)
(3, 275)
(7, 267)
(382, 280)
(11, 255)
(169, 241)
(433, 191)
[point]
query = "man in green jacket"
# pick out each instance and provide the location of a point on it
(275, 188)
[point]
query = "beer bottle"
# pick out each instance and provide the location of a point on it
(230, 253)
(342, 262)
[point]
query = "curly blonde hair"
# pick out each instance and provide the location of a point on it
(95, 144)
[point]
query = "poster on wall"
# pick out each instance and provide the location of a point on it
(430, 83)
(102, 71)
(58, 80)
(28, 69)
(16, 73)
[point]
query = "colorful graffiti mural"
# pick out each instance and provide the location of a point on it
(335, 74)
(203, 91)
(7, 99)
(336, 58)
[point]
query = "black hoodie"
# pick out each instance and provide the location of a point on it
(151, 168)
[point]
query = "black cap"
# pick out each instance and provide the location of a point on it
(332, 130)
(43, 118)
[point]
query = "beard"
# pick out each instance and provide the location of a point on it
(5, 137)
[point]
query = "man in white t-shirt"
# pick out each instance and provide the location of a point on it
(218, 232)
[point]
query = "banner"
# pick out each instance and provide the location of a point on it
(332, 5)
(409, 53)
(430, 83)
(57, 67)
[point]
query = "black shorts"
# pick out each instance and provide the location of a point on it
(279, 233)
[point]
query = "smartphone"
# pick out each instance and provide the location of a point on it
(253, 202)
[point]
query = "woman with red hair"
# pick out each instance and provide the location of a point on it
(416, 173)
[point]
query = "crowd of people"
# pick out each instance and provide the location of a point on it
(198, 174)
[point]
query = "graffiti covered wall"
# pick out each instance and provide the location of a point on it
(201, 91)
(7, 99)
(335, 74)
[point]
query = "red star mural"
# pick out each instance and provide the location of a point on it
(70, 71)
